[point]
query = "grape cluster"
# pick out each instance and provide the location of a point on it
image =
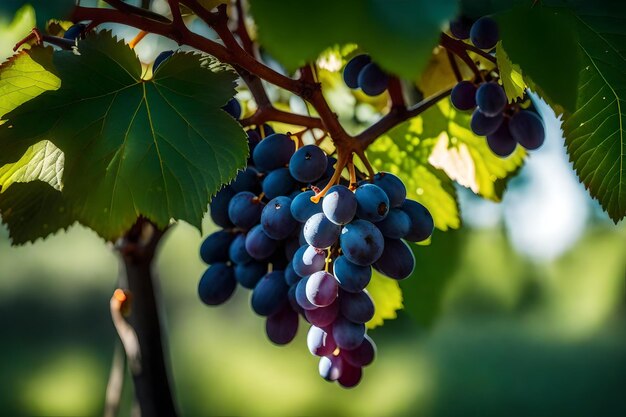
(504, 124)
(361, 72)
(310, 258)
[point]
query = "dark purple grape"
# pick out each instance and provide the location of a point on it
(319, 342)
(244, 210)
(302, 207)
(219, 207)
(278, 259)
(321, 289)
(217, 284)
(353, 68)
(215, 247)
(273, 152)
(527, 129)
(501, 142)
(463, 95)
(348, 335)
(358, 307)
(270, 294)
(290, 275)
(330, 367)
(278, 182)
(247, 180)
(320, 232)
(254, 138)
(276, 218)
(460, 27)
(397, 260)
(162, 57)
(422, 224)
(237, 251)
(308, 260)
(282, 327)
(484, 33)
(259, 245)
(484, 125)
(301, 297)
(491, 98)
(361, 356)
(233, 108)
(249, 274)
(372, 202)
(78, 31)
(350, 375)
(396, 225)
(361, 242)
(323, 316)
(372, 80)
(351, 277)
(339, 204)
(392, 186)
(308, 164)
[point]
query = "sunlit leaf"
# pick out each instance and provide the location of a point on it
(15, 30)
(438, 74)
(42, 161)
(510, 74)
(387, 297)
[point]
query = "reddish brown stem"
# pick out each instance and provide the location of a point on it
(395, 93)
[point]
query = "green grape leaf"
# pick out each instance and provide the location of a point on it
(43, 161)
(25, 76)
(595, 131)
(404, 151)
(510, 74)
(400, 35)
(15, 30)
(466, 157)
(158, 148)
(438, 74)
(543, 42)
(387, 297)
(34, 210)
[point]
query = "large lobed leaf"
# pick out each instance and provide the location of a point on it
(157, 148)
(400, 35)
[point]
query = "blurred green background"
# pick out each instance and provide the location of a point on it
(521, 313)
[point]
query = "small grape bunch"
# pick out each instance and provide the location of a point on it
(361, 72)
(504, 124)
(308, 256)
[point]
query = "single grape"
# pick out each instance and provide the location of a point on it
(320, 232)
(348, 335)
(484, 125)
(276, 218)
(162, 57)
(358, 307)
(270, 294)
(491, 99)
(244, 210)
(215, 247)
(290, 275)
(361, 242)
(75, 31)
(463, 95)
(293, 302)
(460, 27)
(320, 342)
(372, 202)
(302, 207)
(351, 277)
(372, 80)
(254, 138)
(330, 367)
(233, 108)
(323, 316)
(219, 207)
(339, 204)
(237, 251)
(259, 245)
(396, 225)
(321, 289)
(308, 260)
(392, 186)
(278, 182)
(397, 260)
(247, 180)
(527, 129)
(301, 298)
(282, 327)
(249, 274)
(422, 223)
(217, 284)
(353, 68)
(501, 142)
(362, 355)
(484, 33)
(308, 164)
(273, 152)
(350, 375)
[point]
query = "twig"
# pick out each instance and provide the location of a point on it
(115, 385)
(242, 31)
(139, 11)
(395, 93)
(454, 65)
